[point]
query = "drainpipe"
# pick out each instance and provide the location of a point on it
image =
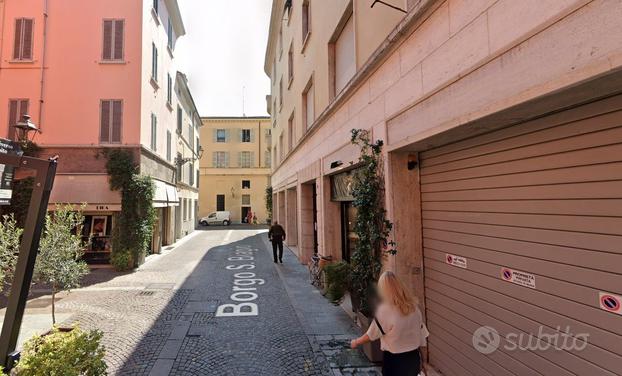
(43, 60)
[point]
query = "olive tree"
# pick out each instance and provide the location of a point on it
(59, 262)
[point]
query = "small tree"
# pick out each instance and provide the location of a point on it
(10, 235)
(59, 261)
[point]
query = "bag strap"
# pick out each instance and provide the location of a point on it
(379, 326)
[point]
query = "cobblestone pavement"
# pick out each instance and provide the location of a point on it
(162, 319)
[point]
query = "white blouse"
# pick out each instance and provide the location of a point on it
(401, 333)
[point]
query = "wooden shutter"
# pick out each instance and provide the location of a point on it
(104, 134)
(168, 145)
(117, 120)
(27, 39)
(13, 105)
(214, 135)
(107, 44)
(227, 137)
(17, 46)
(119, 37)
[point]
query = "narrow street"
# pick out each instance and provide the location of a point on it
(162, 319)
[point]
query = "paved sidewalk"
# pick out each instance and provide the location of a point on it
(327, 326)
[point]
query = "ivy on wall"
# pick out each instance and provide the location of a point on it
(132, 234)
(372, 227)
(269, 191)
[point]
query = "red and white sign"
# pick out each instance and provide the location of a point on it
(610, 302)
(454, 260)
(518, 278)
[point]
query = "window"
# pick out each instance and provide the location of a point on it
(245, 159)
(154, 132)
(220, 159)
(221, 135)
(191, 172)
(290, 64)
(246, 199)
(291, 133)
(169, 89)
(178, 167)
(281, 153)
(111, 121)
(17, 109)
(220, 203)
(168, 145)
(198, 180)
(154, 62)
(169, 34)
(306, 18)
(268, 158)
(22, 48)
(246, 184)
(112, 49)
(180, 118)
(308, 105)
(245, 135)
(280, 42)
(281, 93)
(155, 6)
(343, 64)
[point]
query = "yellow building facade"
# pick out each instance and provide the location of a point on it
(235, 168)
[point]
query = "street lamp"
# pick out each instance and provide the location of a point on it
(24, 128)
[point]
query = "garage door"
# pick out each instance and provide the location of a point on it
(522, 235)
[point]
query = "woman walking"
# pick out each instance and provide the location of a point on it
(399, 326)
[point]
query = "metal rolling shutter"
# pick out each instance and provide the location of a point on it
(543, 198)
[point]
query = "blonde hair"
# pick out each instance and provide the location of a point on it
(394, 292)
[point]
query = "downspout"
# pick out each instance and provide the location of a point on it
(43, 60)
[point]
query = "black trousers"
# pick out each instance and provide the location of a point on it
(278, 244)
(402, 364)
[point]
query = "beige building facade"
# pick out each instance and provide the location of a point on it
(235, 170)
(502, 125)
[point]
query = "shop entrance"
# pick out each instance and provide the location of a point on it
(348, 235)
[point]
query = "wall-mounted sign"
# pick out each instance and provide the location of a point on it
(454, 260)
(518, 278)
(7, 173)
(610, 303)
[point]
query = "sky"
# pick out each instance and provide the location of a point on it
(223, 52)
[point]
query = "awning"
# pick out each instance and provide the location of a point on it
(90, 189)
(165, 194)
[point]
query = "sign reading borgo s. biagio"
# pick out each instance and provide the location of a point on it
(7, 172)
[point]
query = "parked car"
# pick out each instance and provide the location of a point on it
(218, 217)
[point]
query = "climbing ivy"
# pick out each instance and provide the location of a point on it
(131, 237)
(372, 227)
(269, 201)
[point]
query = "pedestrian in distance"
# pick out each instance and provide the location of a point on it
(276, 235)
(249, 217)
(399, 326)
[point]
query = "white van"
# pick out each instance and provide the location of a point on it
(219, 217)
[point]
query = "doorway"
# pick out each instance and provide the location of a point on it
(220, 202)
(245, 211)
(348, 235)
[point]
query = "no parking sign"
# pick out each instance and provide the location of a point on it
(610, 303)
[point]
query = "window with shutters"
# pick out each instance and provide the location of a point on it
(191, 172)
(280, 42)
(23, 43)
(246, 184)
(169, 142)
(281, 93)
(291, 133)
(179, 170)
(221, 135)
(154, 132)
(111, 121)
(268, 158)
(306, 22)
(246, 199)
(17, 109)
(169, 91)
(154, 62)
(198, 180)
(219, 159)
(342, 65)
(290, 65)
(245, 159)
(113, 40)
(169, 34)
(281, 151)
(180, 119)
(245, 135)
(156, 6)
(308, 106)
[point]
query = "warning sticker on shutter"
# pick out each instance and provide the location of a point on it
(454, 260)
(611, 303)
(518, 278)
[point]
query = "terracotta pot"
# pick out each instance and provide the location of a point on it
(372, 350)
(325, 260)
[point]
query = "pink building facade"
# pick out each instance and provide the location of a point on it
(94, 76)
(502, 126)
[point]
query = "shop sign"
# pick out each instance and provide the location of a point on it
(342, 185)
(7, 172)
(518, 278)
